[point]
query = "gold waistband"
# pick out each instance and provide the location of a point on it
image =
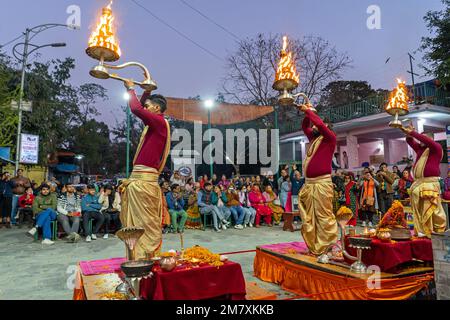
(325, 178)
(426, 180)
(145, 173)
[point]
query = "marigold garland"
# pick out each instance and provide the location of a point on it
(202, 255)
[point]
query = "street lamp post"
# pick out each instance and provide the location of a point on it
(209, 104)
(128, 162)
(29, 34)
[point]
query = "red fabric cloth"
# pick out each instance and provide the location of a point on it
(320, 164)
(156, 137)
(389, 256)
(289, 207)
(436, 152)
(206, 282)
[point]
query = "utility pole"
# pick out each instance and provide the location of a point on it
(411, 58)
(128, 139)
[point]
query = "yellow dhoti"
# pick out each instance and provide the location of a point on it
(429, 215)
(142, 207)
(319, 228)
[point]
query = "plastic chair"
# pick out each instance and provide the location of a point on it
(54, 227)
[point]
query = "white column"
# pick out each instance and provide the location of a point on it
(387, 151)
(293, 151)
(352, 152)
(303, 145)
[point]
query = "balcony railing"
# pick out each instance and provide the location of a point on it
(424, 93)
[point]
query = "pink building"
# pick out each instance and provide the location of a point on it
(369, 139)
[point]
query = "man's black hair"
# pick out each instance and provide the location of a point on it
(207, 184)
(160, 101)
(91, 186)
(174, 186)
(44, 186)
(108, 187)
(383, 164)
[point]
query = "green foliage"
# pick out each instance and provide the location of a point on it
(338, 93)
(437, 47)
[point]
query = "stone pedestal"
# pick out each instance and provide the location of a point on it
(441, 254)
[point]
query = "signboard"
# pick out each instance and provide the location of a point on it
(29, 149)
(448, 144)
(5, 152)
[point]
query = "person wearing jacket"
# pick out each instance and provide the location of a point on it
(259, 203)
(368, 198)
(90, 208)
(385, 189)
(220, 199)
(44, 211)
(175, 204)
(25, 206)
(69, 213)
(110, 201)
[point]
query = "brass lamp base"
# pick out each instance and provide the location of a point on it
(102, 54)
(396, 123)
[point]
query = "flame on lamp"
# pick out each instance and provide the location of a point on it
(286, 67)
(398, 99)
(104, 35)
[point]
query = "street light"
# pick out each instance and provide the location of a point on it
(23, 57)
(126, 97)
(209, 104)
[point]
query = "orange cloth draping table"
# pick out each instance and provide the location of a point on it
(301, 274)
(390, 256)
(204, 282)
(183, 283)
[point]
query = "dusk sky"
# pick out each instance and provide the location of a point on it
(182, 69)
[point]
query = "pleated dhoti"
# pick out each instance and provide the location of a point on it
(142, 206)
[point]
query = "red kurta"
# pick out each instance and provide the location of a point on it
(320, 164)
(156, 137)
(435, 156)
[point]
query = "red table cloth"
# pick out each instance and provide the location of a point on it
(389, 256)
(201, 283)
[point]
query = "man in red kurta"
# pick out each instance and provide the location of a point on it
(319, 227)
(142, 204)
(429, 215)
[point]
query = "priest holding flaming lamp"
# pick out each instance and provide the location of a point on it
(429, 215)
(142, 200)
(319, 228)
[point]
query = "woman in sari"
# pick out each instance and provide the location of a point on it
(258, 202)
(404, 184)
(194, 220)
(274, 204)
(351, 198)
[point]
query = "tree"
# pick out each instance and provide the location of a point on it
(8, 117)
(437, 47)
(251, 68)
(92, 140)
(88, 94)
(339, 93)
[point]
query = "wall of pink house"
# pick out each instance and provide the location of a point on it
(368, 149)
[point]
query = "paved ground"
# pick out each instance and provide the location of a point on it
(31, 271)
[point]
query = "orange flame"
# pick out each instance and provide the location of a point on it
(104, 35)
(286, 67)
(399, 98)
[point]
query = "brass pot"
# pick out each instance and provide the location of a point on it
(168, 263)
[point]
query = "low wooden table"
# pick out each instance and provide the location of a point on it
(288, 218)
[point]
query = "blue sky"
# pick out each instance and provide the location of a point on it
(182, 69)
